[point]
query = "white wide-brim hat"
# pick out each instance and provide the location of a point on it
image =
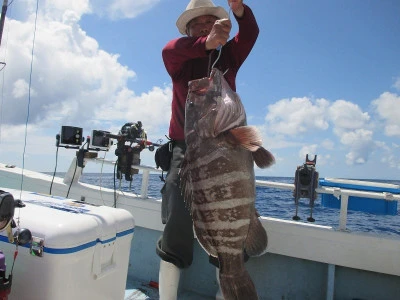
(197, 8)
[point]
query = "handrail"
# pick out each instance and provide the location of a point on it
(145, 176)
(340, 193)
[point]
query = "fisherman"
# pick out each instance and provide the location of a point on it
(207, 28)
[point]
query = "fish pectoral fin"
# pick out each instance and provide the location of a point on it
(263, 158)
(246, 136)
(249, 138)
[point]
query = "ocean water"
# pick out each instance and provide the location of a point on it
(275, 203)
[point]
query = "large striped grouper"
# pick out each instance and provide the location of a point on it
(218, 183)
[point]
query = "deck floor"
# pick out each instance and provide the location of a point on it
(137, 290)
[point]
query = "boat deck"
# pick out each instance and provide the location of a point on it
(138, 290)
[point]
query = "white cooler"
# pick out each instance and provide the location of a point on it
(79, 251)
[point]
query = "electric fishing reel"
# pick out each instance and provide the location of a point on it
(132, 131)
(305, 184)
(131, 140)
(7, 208)
(20, 237)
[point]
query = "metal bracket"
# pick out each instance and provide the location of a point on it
(37, 246)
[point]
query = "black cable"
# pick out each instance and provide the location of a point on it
(55, 170)
(73, 177)
(115, 188)
(76, 167)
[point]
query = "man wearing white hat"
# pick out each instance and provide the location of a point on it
(207, 29)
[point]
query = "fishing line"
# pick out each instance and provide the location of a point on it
(101, 177)
(54, 173)
(115, 187)
(219, 48)
(29, 96)
(73, 177)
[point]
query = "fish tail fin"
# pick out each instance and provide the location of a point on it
(257, 239)
(238, 286)
(263, 158)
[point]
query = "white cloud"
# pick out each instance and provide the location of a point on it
(346, 116)
(301, 116)
(297, 115)
(389, 154)
(311, 150)
(50, 10)
(21, 89)
(122, 9)
(72, 76)
(152, 108)
(387, 108)
(350, 125)
(361, 145)
(396, 85)
(328, 144)
(68, 11)
(74, 81)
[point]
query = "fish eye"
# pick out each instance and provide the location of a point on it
(200, 92)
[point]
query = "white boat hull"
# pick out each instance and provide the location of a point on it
(303, 261)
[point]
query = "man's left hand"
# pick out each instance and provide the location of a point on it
(237, 7)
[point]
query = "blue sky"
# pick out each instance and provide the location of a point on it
(323, 78)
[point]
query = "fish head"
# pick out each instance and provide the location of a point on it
(212, 107)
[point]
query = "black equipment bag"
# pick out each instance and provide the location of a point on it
(163, 156)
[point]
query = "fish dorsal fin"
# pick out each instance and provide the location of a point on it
(249, 138)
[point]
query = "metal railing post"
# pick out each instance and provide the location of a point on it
(145, 184)
(344, 201)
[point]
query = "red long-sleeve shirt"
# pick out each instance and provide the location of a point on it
(187, 59)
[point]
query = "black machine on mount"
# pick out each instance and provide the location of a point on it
(131, 141)
(305, 184)
(129, 154)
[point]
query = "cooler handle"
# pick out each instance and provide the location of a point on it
(97, 269)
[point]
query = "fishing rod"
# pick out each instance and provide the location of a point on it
(3, 16)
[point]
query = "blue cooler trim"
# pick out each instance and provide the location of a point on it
(87, 245)
(126, 232)
(70, 250)
(77, 248)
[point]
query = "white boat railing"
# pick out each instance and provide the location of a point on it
(145, 174)
(340, 193)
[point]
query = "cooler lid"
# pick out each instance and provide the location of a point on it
(69, 226)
